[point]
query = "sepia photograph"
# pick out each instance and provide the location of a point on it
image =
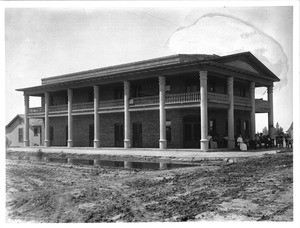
(167, 112)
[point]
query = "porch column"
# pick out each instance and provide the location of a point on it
(126, 115)
(270, 113)
(26, 122)
(231, 141)
(252, 114)
(47, 127)
(70, 118)
(96, 117)
(162, 114)
(203, 110)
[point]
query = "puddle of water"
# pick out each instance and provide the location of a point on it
(109, 163)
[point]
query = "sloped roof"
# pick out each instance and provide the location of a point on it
(151, 65)
(32, 122)
(14, 119)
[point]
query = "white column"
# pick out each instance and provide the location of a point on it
(203, 111)
(270, 113)
(47, 126)
(231, 141)
(126, 115)
(252, 114)
(26, 122)
(96, 117)
(70, 118)
(162, 114)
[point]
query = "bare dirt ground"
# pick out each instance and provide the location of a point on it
(257, 189)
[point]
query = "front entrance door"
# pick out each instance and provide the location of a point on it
(119, 135)
(91, 135)
(137, 135)
(191, 132)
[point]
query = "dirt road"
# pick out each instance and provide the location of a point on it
(256, 189)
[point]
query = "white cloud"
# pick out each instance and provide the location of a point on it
(223, 35)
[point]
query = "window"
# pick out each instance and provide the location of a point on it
(118, 93)
(168, 87)
(211, 86)
(168, 131)
(35, 131)
(20, 135)
(192, 86)
(90, 96)
(51, 134)
(212, 125)
(135, 91)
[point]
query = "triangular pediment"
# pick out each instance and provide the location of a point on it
(246, 61)
(241, 65)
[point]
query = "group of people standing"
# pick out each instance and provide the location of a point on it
(263, 141)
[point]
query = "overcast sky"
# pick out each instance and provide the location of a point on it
(53, 41)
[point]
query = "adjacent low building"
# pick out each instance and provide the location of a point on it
(177, 101)
(14, 132)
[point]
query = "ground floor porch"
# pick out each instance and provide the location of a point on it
(182, 128)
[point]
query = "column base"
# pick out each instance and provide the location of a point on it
(231, 144)
(96, 143)
(204, 144)
(163, 165)
(46, 143)
(162, 144)
(127, 144)
(127, 165)
(26, 143)
(70, 143)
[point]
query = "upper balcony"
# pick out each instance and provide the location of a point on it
(179, 100)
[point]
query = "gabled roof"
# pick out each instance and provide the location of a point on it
(251, 64)
(18, 116)
(32, 122)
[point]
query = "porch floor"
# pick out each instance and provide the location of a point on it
(153, 152)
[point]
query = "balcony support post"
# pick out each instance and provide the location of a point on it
(47, 126)
(26, 121)
(203, 111)
(270, 113)
(252, 114)
(127, 135)
(70, 118)
(162, 114)
(231, 141)
(96, 117)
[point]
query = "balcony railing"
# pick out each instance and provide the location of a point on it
(262, 105)
(171, 99)
(245, 101)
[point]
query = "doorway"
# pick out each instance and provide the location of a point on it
(119, 135)
(137, 137)
(191, 132)
(91, 135)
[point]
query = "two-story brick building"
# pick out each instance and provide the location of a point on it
(169, 102)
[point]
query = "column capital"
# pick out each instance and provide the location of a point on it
(252, 85)
(162, 79)
(70, 91)
(230, 80)
(126, 83)
(203, 75)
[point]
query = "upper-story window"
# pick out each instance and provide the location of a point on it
(118, 93)
(90, 96)
(192, 86)
(136, 91)
(240, 91)
(168, 86)
(211, 86)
